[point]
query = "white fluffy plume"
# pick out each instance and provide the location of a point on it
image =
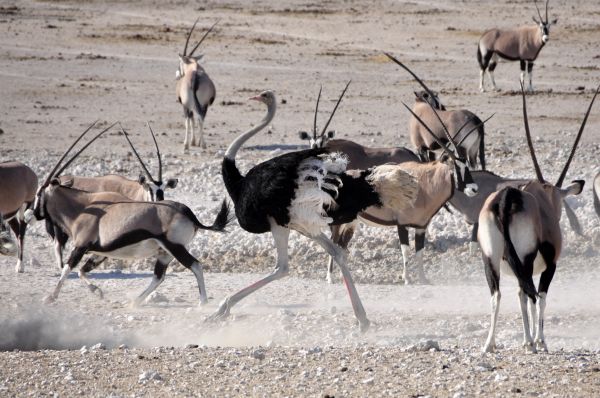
(397, 188)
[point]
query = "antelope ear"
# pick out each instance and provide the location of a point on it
(554, 22)
(303, 135)
(66, 182)
(198, 57)
(142, 179)
(55, 181)
(172, 182)
(574, 189)
(331, 134)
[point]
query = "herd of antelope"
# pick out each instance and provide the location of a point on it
(335, 184)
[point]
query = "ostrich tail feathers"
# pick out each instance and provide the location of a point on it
(397, 188)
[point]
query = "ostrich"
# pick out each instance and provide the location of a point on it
(305, 191)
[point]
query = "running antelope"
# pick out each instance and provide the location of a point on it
(459, 124)
(145, 189)
(18, 184)
(519, 234)
(120, 229)
(195, 91)
(523, 44)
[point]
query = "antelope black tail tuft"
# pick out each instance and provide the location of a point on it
(480, 58)
(223, 219)
(510, 203)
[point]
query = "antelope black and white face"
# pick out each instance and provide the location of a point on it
(155, 190)
(463, 181)
(319, 141)
(424, 96)
(38, 211)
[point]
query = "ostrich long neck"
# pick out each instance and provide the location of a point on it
(239, 141)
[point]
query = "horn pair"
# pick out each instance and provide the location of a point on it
(56, 171)
(137, 155)
(538, 171)
(332, 112)
(540, 14)
(447, 133)
(201, 40)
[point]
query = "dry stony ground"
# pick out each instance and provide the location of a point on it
(64, 64)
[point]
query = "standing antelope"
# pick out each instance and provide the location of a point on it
(521, 227)
(523, 44)
(459, 124)
(195, 91)
(306, 191)
(120, 229)
(18, 184)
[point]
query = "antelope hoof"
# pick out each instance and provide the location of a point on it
(481, 89)
(489, 347)
(529, 347)
(20, 268)
(49, 299)
(96, 290)
(541, 346)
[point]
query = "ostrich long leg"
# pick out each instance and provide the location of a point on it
(340, 256)
(280, 235)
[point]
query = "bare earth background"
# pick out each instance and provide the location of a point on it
(64, 64)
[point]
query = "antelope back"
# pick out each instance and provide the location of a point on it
(362, 158)
(18, 185)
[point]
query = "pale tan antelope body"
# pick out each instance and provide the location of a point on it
(195, 91)
(521, 44)
(120, 229)
(520, 235)
(18, 184)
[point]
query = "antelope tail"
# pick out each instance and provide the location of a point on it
(200, 110)
(596, 200)
(223, 219)
(510, 203)
(481, 132)
(480, 57)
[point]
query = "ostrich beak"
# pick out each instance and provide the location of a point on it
(256, 98)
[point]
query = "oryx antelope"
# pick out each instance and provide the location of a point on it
(462, 125)
(120, 229)
(519, 234)
(146, 188)
(306, 191)
(523, 44)
(195, 91)
(18, 184)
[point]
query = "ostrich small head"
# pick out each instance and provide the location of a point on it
(266, 97)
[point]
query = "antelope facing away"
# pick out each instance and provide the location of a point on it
(18, 184)
(99, 224)
(459, 124)
(519, 234)
(195, 91)
(523, 44)
(306, 191)
(146, 188)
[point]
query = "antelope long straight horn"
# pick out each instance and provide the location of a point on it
(187, 40)
(157, 153)
(439, 142)
(90, 142)
(566, 168)
(316, 113)
(547, 10)
(203, 37)
(137, 155)
(335, 108)
(538, 171)
(472, 130)
(538, 10)
(66, 153)
(431, 94)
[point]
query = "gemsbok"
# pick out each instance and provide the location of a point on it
(306, 191)
(520, 235)
(465, 128)
(596, 193)
(18, 184)
(146, 189)
(195, 91)
(523, 44)
(120, 229)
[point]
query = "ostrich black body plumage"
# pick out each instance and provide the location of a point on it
(266, 191)
(354, 195)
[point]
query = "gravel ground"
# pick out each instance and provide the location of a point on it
(64, 64)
